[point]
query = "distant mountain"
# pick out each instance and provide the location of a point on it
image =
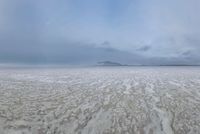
(109, 63)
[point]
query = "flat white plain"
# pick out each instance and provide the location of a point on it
(111, 100)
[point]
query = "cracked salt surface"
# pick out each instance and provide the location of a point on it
(114, 100)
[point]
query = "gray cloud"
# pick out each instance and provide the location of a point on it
(65, 52)
(72, 32)
(144, 48)
(187, 53)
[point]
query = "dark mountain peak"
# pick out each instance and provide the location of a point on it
(109, 63)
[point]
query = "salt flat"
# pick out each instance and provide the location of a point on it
(112, 100)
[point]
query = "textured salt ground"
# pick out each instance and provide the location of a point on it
(126, 100)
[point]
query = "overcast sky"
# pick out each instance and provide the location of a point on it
(88, 31)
